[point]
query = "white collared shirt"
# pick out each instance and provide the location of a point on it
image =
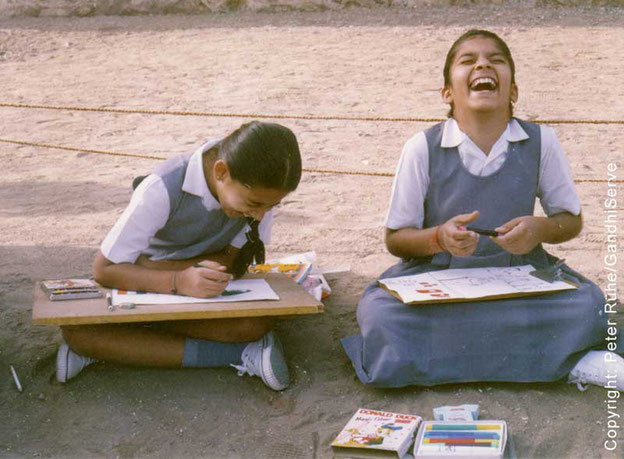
(555, 185)
(148, 212)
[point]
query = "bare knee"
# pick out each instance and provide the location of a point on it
(251, 328)
(244, 329)
(225, 330)
(78, 338)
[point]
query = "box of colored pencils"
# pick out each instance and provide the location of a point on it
(473, 439)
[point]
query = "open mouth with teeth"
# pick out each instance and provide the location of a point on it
(483, 84)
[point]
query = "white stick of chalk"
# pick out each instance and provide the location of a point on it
(16, 379)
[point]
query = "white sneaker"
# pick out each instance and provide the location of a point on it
(265, 358)
(69, 364)
(602, 368)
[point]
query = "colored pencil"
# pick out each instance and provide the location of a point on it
(439, 446)
(463, 427)
(461, 441)
(456, 434)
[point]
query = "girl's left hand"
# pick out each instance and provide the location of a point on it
(520, 235)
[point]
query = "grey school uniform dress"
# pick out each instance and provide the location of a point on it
(526, 339)
(190, 229)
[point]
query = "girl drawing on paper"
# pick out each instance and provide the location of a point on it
(481, 167)
(197, 220)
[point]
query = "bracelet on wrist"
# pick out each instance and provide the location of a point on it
(435, 241)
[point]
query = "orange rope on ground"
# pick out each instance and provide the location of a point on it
(218, 115)
(276, 116)
(317, 171)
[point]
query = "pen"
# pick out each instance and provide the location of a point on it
(484, 232)
(109, 302)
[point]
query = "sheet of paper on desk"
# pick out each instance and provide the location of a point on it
(259, 289)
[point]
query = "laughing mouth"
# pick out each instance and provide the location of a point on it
(483, 84)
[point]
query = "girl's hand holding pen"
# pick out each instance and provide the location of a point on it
(520, 235)
(455, 240)
(203, 280)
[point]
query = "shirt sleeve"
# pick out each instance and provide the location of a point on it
(407, 202)
(555, 187)
(264, 230)
(147, 212)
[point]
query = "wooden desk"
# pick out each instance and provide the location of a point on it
(294, 300)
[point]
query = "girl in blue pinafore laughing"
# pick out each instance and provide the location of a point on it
(482, 167)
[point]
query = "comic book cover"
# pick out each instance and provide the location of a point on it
(386, 433)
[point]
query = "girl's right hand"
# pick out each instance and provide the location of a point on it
(455, 240)
(204, 280)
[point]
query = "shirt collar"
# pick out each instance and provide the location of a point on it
(194, 179)
(515, 132)
(452, 135)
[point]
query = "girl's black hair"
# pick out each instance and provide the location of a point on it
(502, 46)
(263, 155)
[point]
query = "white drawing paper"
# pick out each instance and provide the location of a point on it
(470, 283)
(259, 290)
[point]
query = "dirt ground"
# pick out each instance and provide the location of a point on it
(56, 207)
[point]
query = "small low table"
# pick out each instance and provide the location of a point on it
(294, 300)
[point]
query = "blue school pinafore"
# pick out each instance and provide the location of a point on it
(191, 229)
(525, 339)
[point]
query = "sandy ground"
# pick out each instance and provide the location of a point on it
(55, 208)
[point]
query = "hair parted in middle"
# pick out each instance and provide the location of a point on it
(500, 43)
